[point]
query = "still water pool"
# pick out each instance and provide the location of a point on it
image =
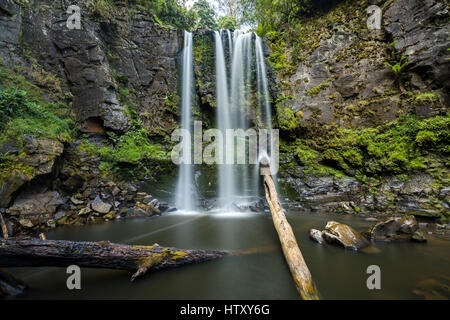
(408, 270)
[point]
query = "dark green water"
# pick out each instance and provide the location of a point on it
(338, 273)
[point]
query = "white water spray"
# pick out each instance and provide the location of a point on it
(185, 193)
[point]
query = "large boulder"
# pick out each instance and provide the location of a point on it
(39, 159)
(36, 204)
(11, 184)
(341, 234)
(344, 235)
(41, 154)
(36, 208)
(397, 229)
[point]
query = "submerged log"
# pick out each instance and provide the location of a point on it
(10, 286)
(32, 252)
(294, 258)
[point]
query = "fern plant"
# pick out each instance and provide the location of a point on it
(398, 66)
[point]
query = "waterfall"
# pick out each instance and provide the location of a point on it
(227, 186)
(242, 101)
(185, 194)
(241, 66)
(263, 97)
(248, 88)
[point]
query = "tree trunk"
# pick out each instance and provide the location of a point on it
(297, 265)
(31, 252)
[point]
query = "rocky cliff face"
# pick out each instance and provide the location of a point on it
(118, 67)
(121, 67)
(344, 80)
(129, 51)
(337, 79)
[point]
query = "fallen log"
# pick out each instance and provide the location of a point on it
(294, 258)
(32, 252)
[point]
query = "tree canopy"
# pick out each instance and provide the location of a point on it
(205, 14)
(227, 22)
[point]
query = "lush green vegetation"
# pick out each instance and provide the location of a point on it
(132, 148)
(170, 12)
(23, 111)
(227, 22)
(205, 14)
(127, 153)
(20, 116)
(399, 147)
(273, 15)
(167, 12)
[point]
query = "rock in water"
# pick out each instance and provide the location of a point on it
(397, 229)
(343, 235)
(316, 235)
(99, 206)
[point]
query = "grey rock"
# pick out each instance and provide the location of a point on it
(424, 43)
(346, 86)
(40, 154)
(115, 191)
(344, 235)
(36, 203)
(208, 204)
(84, 212)
(59, 215)
(15, 180)
(397, 229)
(418, 183)
(316, 235)
(147, 199)
(76, 201)
(99, 206)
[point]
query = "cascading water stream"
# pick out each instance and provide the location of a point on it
(242, 100)
(234, 108)
(263, 99)
(227, 186)
(185, 194)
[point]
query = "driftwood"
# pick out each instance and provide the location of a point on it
(294, 258)
(32, 252)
